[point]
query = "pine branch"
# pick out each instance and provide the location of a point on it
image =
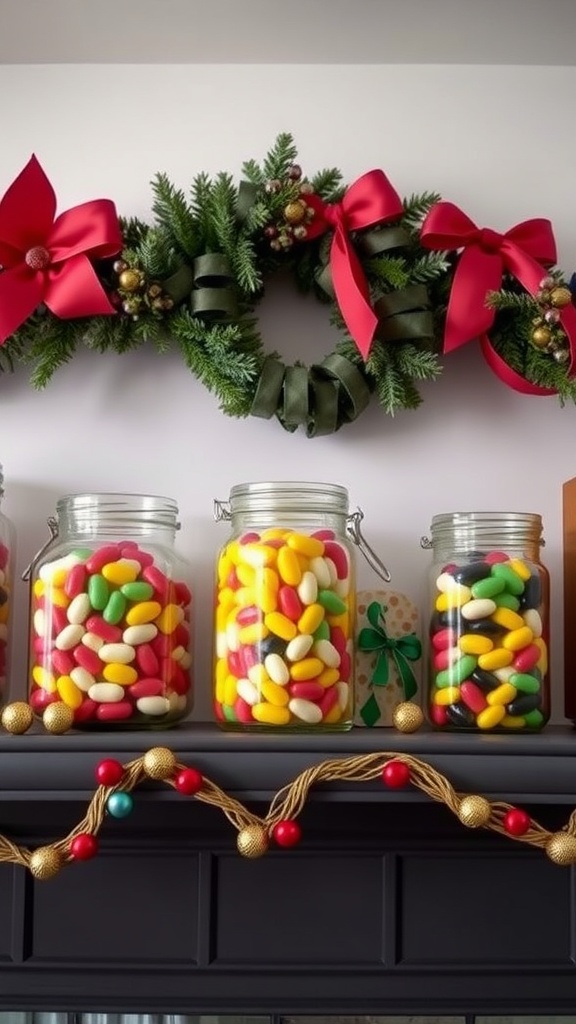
(108, 333)
(328, 184)
(429, 267)
(245, 266)
(520, 301)
(54, 345)
(226, 361)
(389, 270)
(156, 254)
(253, 173)
(133, 231)
(175, 216)
(280, 157)
(417, 206)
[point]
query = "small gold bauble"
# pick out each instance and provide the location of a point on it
(45, 862)
(252, 841)
(17, 717)
(407, 717)
(541, 336)
(561, 848)
(560, 297)
(295, 212)
(130, 280)
(159, 762)
(57, 717)
(474, 811)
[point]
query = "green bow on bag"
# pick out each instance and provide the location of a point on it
(402, 650)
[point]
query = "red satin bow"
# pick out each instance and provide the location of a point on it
(370, 200)
(525, 251)
(45, 259)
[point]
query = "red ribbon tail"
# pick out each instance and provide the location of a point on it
(509, 376)
(352, 293)
(20, 294)
(73, 290)
(468, 316)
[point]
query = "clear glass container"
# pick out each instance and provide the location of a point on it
(7, 562)
(285, 609)
(488, 623)
(110, 614)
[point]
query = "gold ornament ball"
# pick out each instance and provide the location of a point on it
(407, 717)
(130, 280)
(252, 841)
(560, 297)
(17, 717)
(541, 336)
(57, 717)
(159, 762)
(561, 848)
(45, 862)
(295, 212)
(474, 811)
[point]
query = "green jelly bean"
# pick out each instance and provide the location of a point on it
(82, 553)
(458, 672)
(534, 719)
(525, 682)
(506, 600)
(490, 586)
(98, 592)
(115, 608)
(137, 591)
(229, 713)
(513, 582)
(331, 602)
(323, 631)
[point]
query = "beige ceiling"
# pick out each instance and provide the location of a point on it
(289, 31)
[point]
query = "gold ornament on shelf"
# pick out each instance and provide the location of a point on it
(17, 717)
(252, 841)
(561, 848)
(159, 763)
(474, 811)
(45, 862)
(57, 717)
(408, 717)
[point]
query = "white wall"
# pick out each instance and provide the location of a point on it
(495, 140)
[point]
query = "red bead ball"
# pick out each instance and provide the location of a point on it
(287, 833)
(516, 821)
(84, 846)
(109, 772)
(188, 781)
(396, 774)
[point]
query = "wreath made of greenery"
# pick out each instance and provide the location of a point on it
(404, 282)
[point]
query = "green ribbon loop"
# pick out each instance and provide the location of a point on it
(213, 296)
(179, 285)
(267, 398)
(401, 650)
(378, 240)
(354, 391)
(296, 401)
(404, 314)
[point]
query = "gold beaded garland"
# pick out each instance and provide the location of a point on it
(58, 717)
(407, 716)
(474, 811)
(17, 717)
(45, 862)
(159, 762)
(252, 841)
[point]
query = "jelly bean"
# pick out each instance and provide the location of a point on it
(323, 534)
(513, 582)
(525, 703)
(473, 697)
(69, 637)
(489, 587)
(114, 712)
(86, 711)
(330, 676)
(248, 615)
(307, 690)
(154, 706)
(442, 659)
(513, 722)
(289, 567)
(114, 608)
(484, 627)
(118, 673)
(471, 572)
(307, 668)
(106, 693)
(139, 590)
(146, 659)
(63, 662)
(327, 653)
(310, 619)
(289, 603)
(82, 678)
(457, 672)
(75, 580)
(506, 600)
(274, 645)
(98, 558)
(98, 592)
(306, 710)
(87, 659)
(471, 643)
(243, 711)
(69, 692)
(444, 638)
(532, 596)
(267, 714)
(79, 609)
(274, 694)
(490, 717)
(447, 695)
(109, 632)
(478, 608)
(438, 715)
(518, 565)
(517, 639)
(281, 626)
(170, 616)
(460, 715)
(277, 669)
(534, 719)
(345, 666)
(493, 557)
(499, 657)
(92, 641)
(144, 611)
(321, 571)
(121, 653)
(339, 557)
(134, 635)
(531, 618)
(503, 694)
(525, 683)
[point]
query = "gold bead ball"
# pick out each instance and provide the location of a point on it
(130, 280)
(295, 212)
(407, 717)
(45, 862)
(561, 848)
(57, 717)
(560, 297)
(474, 811)
(17, 717)
(541, 336)
(159, 762)
(252, 841)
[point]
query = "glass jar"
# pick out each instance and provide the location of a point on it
(285, 609)
(488, 649)
(7, 561)
(110, 614)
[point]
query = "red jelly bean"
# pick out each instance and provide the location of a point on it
(75, 581)
(156, 579)
(248, 657)
(147, 660)
(249, 615)
(87, 710)
(87, 659)
(232, 581)
(115, 712)
(62, 662)
(183, 594)
(131, 550)
(235, 664)
(473, 697)
(329, 700)
(249, 538)
(442, 659)
(39, 698)
(289, 603)
(338, 555)
(323, 534)
(41, 647)
(150, 687)
(59, 619)
(105, 630)
(496, 556)
(438, 714)
(218, 712)
(526, 658)
(180, 680)
(103, 555)
(345, 667)
(242, 710)
(162, 645)
(307, 691)
(444, 638)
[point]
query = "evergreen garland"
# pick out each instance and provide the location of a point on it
(194, 278)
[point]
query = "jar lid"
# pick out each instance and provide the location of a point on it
(475, 526)
(87, 508)
(289, 495)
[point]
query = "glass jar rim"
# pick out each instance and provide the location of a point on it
(117, 507)
(462, 526)
(289, 495)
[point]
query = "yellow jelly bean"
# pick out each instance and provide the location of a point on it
(507, 618)
(289, 567)
(233, 552)
(70, 693)
(518, 638)
(144, 611)
(267, 714)
(125, 675)
(542, 663)
(246, 574)
(490, 717)
(453, 598)
(447, 695)
(252, 633)
(258, 675)
(334, 715)
(342, 620)
(230, 692)
(227, 597)
(42, 677)
(124, 570)
(497, 658)
(39, 588)
(310, 547)
(225, 566)
(472, 643)
(221, 619)
(245, 596)
(59, 577)
(170, 617)
(502, 694)
(520, 568)
(281, 625)
(266, 590)
(56, 596)
(513, 722)
(257, 554)
(328, 677)
(308, 668)
(311, 618)
(274, 694)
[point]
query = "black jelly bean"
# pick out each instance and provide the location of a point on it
(532, 596)
(486, 627)
(3, 596)
(484, 680)
(522, 705)
(452, 617)
(271, 645)
(459, 714)
(471, 573)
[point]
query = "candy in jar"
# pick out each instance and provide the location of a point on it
(110, 614)
(488, 623)
(284, 609)
(7, 557)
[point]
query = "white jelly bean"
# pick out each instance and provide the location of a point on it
(186, 660)
(48, 570)
(307, 589)
(327, 653)
(532, 619)
(39, 621)
(221, 645)
(142, 634)
(298, 647)
(153, 705)
(342, 587)
(233, 636)
(106, 693)
(504, 673)
(478, 608)
(343, 694)
(306, 710)
(79, 609)
(69, 637)
(83, 678)
(321, 572)
(332, 570)
(277, 669)
(121, 654)
(93, 641)
(248, 691)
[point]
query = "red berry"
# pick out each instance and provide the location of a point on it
(109, 772)
(287, 832)
(188, 781)
(516, 821)
(396, 774)
(84, 846)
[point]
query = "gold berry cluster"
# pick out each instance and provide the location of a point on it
(547, 332)
(291, 222)
(135, 294)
